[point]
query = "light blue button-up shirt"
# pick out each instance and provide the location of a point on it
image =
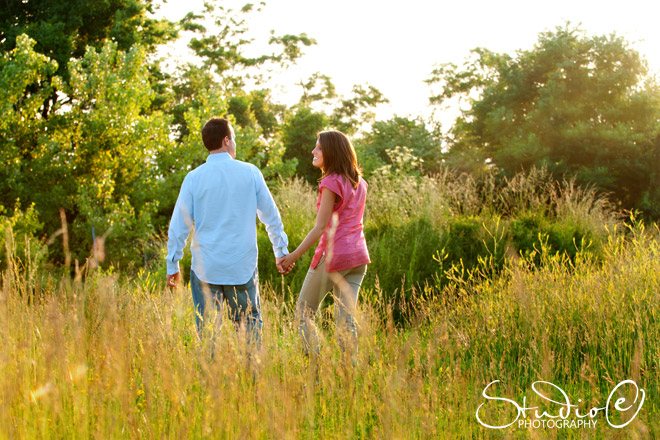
(222, 199)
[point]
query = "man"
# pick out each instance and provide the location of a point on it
(221, 199)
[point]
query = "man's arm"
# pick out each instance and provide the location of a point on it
(270, 216)
(180, 226)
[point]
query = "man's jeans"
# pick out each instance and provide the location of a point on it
(242, 300)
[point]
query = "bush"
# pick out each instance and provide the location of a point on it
(530, 232)
(402, 255)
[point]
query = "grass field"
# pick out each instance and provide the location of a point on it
(111, 356)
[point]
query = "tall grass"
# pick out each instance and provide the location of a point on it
(419, 227)
(109, 359)
(105, 356)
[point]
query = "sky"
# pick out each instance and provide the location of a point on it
(394, 46)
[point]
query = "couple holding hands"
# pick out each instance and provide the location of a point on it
(218, 202)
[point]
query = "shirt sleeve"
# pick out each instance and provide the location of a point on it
(270, 216)
(333, 183)
(180, 226)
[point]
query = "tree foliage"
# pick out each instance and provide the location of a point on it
(378, 147)
(91, 158)
(64, 30)
(578, 105)
(218, 42)
(344, 114)
(299, 135)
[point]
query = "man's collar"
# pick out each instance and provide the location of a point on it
(213, 157)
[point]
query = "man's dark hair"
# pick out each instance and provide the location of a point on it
(214, 132)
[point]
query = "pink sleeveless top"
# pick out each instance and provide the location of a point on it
(348, 248)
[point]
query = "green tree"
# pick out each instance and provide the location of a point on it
(222, 63)
(351, 113)
(222, 49)
(299, 134)
(64, 30)
(258, 136)
(376, 147)
(93, 157)
(257, 108)
(344, 114)
(581, 106)
(115, 140)
(317, 88)
(25, 82)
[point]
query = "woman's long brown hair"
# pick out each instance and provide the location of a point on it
(339, 156)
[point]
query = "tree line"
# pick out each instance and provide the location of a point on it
(94, 128)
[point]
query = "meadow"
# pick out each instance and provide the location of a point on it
(472, 280)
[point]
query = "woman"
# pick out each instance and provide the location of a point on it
(341, 257)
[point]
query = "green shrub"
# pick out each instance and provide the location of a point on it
(402, 255)
(530, 232)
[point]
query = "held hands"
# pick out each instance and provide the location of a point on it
(286, 263)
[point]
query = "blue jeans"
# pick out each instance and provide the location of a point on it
(242, 300)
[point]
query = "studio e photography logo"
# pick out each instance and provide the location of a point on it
(558, 412)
